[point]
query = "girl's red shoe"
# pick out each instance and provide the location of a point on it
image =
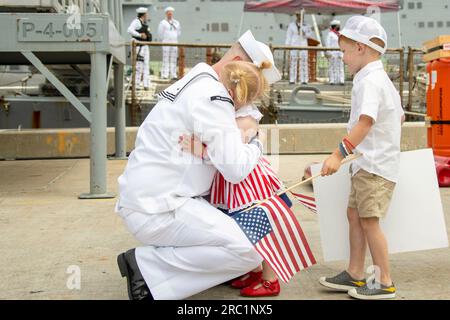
(251, 278)
(265, 289)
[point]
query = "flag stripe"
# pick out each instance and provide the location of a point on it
(302, 236)
(260, 184)
(257, 184)
(303, 196)
(263, 186)
(300, 243)
(280, 237)
(281, 221)
(312, 207)
(276, 253)
(308, 203)
(265, 254)
(273, 246)
(280, 251)
(274, 262)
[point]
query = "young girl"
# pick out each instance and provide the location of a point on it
(245, 83)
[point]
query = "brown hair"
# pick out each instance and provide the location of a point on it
(245, 79)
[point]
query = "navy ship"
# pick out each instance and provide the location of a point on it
(25, 93)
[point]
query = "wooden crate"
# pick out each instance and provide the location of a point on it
(441, 42)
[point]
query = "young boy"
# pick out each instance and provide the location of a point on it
(374, 130)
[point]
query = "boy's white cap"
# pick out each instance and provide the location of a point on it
(362, 29)
(259, 52)
(335, 23)
(141, 10)
(169, 9)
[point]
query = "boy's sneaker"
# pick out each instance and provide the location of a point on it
(379, 292)
(342, 282)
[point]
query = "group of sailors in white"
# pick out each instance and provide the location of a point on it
(298, 33)
(169, 30)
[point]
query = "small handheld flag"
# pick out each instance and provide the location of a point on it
(277, 236)
(307, 201)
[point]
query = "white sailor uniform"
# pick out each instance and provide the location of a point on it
(260, 184)
(336, 67)
(189, 246)
(168, 32)
(142, 55)
(297, 35)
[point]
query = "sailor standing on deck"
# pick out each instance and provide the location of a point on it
(188, 245)
(335, 58)
(138, 29)
(169, 30)
(297, 35)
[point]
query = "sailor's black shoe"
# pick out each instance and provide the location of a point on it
(137, 288)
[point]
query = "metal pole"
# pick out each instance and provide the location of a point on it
(241, 23)
(401, 71)
(119, 102)
(104, 7)
(118, 19)
(399, 28)
(410, 77)
(98, 129)
(133, 84)
(181, 62)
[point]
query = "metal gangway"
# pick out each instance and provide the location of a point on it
(51, 32)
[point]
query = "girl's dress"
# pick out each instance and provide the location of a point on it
(260, 184)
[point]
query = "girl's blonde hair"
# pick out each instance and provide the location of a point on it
(246, 80)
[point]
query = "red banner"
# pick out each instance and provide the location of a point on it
(322, 6)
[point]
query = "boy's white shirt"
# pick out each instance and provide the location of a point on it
(374, 95)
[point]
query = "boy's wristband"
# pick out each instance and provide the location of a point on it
(342, 150)
(347, 142)
(346, 149)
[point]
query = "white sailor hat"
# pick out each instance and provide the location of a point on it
(141, 10)
(335, 23)
(362, 29)
(169, 9)
(259, 52)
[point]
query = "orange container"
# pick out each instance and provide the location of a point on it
(429, 102)
(438, 105)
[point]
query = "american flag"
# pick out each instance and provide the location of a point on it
(307, 201)
(277, 236)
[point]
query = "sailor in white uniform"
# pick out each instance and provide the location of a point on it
(297, 35)
(188, 245)
(169, 30)
(138, 29)
(335, 58)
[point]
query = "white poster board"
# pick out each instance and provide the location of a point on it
(415, 219)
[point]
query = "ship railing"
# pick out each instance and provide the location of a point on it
(417, 81)
(397, 63)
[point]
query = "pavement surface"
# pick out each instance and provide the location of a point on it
(48, 237)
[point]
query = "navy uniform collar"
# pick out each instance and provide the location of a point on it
(200, 70)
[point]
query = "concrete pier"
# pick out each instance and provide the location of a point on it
(49, 236)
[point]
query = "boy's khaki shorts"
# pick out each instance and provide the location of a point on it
(370, 194)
